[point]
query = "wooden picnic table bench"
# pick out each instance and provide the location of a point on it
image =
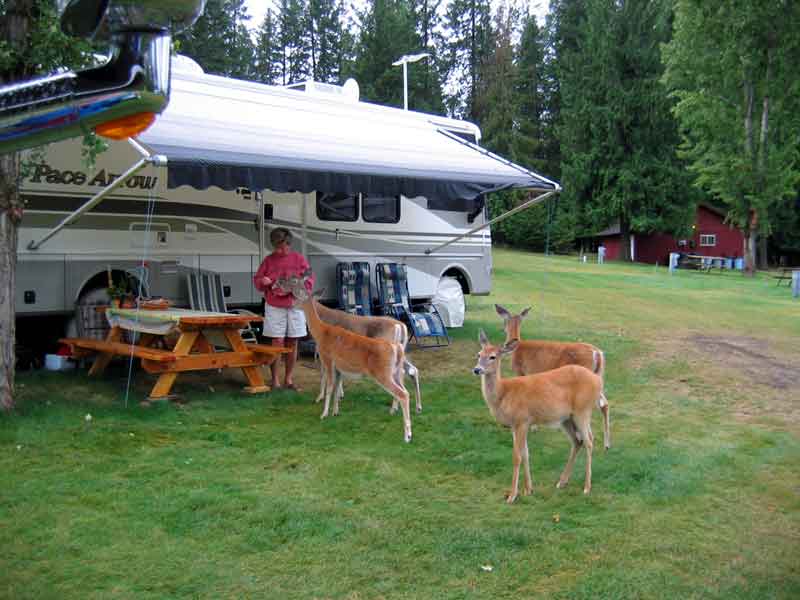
(191, 352)
(785, 274)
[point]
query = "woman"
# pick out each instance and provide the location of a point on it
(284, 324)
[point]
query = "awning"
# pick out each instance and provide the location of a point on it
(230, 133)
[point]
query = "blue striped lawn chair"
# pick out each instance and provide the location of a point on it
(353, 289)
(424, 320)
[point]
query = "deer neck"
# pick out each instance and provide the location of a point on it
(491, 386)
(312, 317)
(512, 332)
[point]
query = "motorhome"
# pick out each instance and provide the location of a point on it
(227, 161)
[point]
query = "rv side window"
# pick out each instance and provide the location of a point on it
(381, 209)
(337, 207)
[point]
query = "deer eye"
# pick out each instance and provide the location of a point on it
(492, 357)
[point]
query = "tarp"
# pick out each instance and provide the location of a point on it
(229, 133)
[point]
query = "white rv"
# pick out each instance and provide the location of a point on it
(227, 161)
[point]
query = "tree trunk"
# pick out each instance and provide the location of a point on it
(15, 24)
(10, 215)
(625, 240)
(763, 259)
(750, 244)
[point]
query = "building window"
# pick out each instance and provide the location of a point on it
(337, 207)
(381, 209)
(708, 239)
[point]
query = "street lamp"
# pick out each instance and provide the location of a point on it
(404, 60)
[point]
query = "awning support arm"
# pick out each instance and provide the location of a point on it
(158, 160)
(498, 218)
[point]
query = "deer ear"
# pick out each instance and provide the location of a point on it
(509, 347)
(502, 311)
(482, 338)
(525, 312)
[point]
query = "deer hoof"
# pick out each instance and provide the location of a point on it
(561, 484)
(586, 491)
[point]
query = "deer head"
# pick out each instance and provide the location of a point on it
(512, 324)
(490, 355)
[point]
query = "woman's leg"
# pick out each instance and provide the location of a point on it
(274, 366)
(291, 360)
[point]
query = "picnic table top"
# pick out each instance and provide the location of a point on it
(161, 322)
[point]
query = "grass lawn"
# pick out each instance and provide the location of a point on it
(232, 496)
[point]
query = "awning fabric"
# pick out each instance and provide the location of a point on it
(230, 133)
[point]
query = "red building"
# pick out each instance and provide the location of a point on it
(710, 237)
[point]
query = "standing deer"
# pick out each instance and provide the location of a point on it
(343, 352)
(373, 327)
(562, 397)
(537, 356)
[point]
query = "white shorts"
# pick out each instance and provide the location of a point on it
(284, 322)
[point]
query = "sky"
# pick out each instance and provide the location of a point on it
(258, 8)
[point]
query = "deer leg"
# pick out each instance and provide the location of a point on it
(399, 396)
(322, 384)
(337, 385)
(575, 442)
(528, 489)
(413, 372)
(328, 370)
(519, 435)
(582, 422)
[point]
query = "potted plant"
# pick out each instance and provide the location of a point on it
(121, 291)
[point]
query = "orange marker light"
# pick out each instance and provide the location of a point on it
(121, 129)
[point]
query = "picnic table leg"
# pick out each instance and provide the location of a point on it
(253, 374)
(103, 358)
(184, 345)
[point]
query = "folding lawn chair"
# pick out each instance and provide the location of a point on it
(395, 301)
(353, 289)
(207, 293)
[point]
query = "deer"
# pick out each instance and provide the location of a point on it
(537, 356)
(560, 397)
(372, 327)
(342, 351)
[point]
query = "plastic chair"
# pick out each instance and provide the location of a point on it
(353, 289)
(207, 293)
(424, 320)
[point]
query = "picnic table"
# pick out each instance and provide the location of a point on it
(704, 263)
(785, 274)
(193, 350)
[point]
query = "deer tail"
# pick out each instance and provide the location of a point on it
(602, 404)
(598, 362)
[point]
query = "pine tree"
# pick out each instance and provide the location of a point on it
(219, 40)
(619, 138)
(293, 42)
(387, 33)
(267, 52)
(325, 33)
(471, 40)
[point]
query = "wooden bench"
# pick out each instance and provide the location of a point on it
(785, 275)
(77, 345)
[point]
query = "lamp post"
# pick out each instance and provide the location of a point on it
(404, 60)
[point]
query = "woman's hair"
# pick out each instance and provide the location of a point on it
(279, 235)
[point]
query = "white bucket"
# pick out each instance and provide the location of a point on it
(56, 362)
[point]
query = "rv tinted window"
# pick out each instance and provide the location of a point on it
(378, 209)
(336, 207)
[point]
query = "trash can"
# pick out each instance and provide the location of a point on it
(739, 264)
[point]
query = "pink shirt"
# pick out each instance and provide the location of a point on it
(276, 266)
